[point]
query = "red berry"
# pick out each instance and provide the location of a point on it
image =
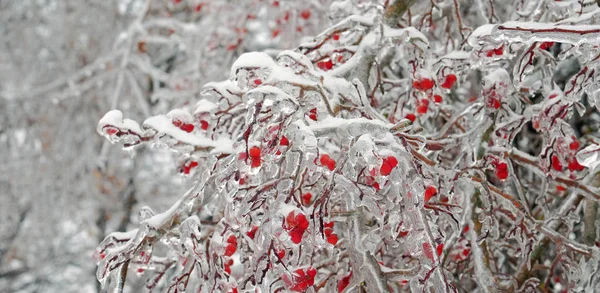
(252, 232)
(449, 82)
(430, 192)
(328, 224)
(313, 114)
(391, 160)
(332, 239)
(556, 165)
(203, 124)
(574, 165)
(177, 122)
(111, 131)
(281, 253)
(255, 163)
(257, 82)
(324, 159)
(336, 37)
(331, 165)
(344, 282)
(232, 239)
(422, 109)
(560, 188)
(385, 169)
(325, 65)
(198, 7)
(230, 249)
(546, 45)
(440, 249)
(276, 3)
(437, 99)
(423, 84)
(306, 198)
(376, 186)
(574, 145)
(499, 50)
(187, 127)
(254, 152)
(275, 33)
(501, 171)
(140, 270)
(494, 103)
(427, 250)
(411, 117)
(466, 251)
(305, 14)
(284, 141)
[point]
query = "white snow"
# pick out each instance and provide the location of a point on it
(252, 60)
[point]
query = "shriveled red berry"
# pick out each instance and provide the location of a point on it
(430, 192)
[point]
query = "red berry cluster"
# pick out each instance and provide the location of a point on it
(187, 127)
(332, 238)
(302, 279)
(423, 84)
(501, 170)
(231, 246)
(498, 51)
(296, 225)
(326, 160)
